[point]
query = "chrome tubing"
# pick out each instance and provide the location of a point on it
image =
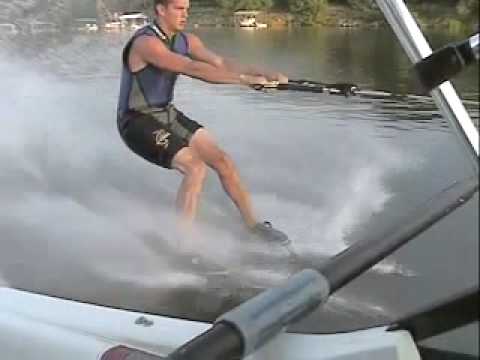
(474, 45)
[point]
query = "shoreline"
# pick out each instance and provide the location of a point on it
(340, 17)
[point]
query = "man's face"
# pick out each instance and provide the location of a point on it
(175, 14)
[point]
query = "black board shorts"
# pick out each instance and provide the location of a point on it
(158, 135)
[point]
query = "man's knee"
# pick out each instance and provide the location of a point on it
(196, 168)
(190, 164)
(224, 165)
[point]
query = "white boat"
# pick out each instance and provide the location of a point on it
(7, 30)
(60, 330)
(249, 19)
(127, 22)
(248, 22)
(34, 326)
(38, 27)
(113, 26)
(251, 22)
(133, 21)
(86, 24)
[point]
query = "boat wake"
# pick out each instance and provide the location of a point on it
(92, 221)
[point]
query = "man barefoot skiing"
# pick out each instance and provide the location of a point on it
(154, 129)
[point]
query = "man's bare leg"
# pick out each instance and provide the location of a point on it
(207, 149)
(194, 171)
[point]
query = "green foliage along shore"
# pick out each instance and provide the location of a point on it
(451, 14)
(445, 13)
(307, 12)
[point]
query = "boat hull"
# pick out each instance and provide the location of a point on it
(35, 326)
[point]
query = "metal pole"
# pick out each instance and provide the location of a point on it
(364, 253)
(457, 311)
(417, 48)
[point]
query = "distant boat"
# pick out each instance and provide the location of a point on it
(7, 29)
(249, 19)
(130, 21)
(38, 27)
(248, 22)
(133, 20)
(86, 24)
(113, 26)
(252, 23)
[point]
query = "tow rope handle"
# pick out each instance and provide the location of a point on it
(344, 89)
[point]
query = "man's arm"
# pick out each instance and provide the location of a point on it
(154, 52)
(199, 52)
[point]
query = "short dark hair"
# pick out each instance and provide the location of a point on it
(162, 2)
(159, 2)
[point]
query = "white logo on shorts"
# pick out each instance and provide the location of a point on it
(162, 138)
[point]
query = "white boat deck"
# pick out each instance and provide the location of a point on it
(35, 326)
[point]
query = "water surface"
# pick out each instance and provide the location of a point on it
(84, 218)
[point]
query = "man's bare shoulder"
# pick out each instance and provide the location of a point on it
(194, 39)
(148, 43)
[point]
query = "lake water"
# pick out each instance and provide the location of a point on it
(84, 218)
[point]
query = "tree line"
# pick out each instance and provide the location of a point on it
(309, 10)
(303, 5)
(293, 4)
(305, 11)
